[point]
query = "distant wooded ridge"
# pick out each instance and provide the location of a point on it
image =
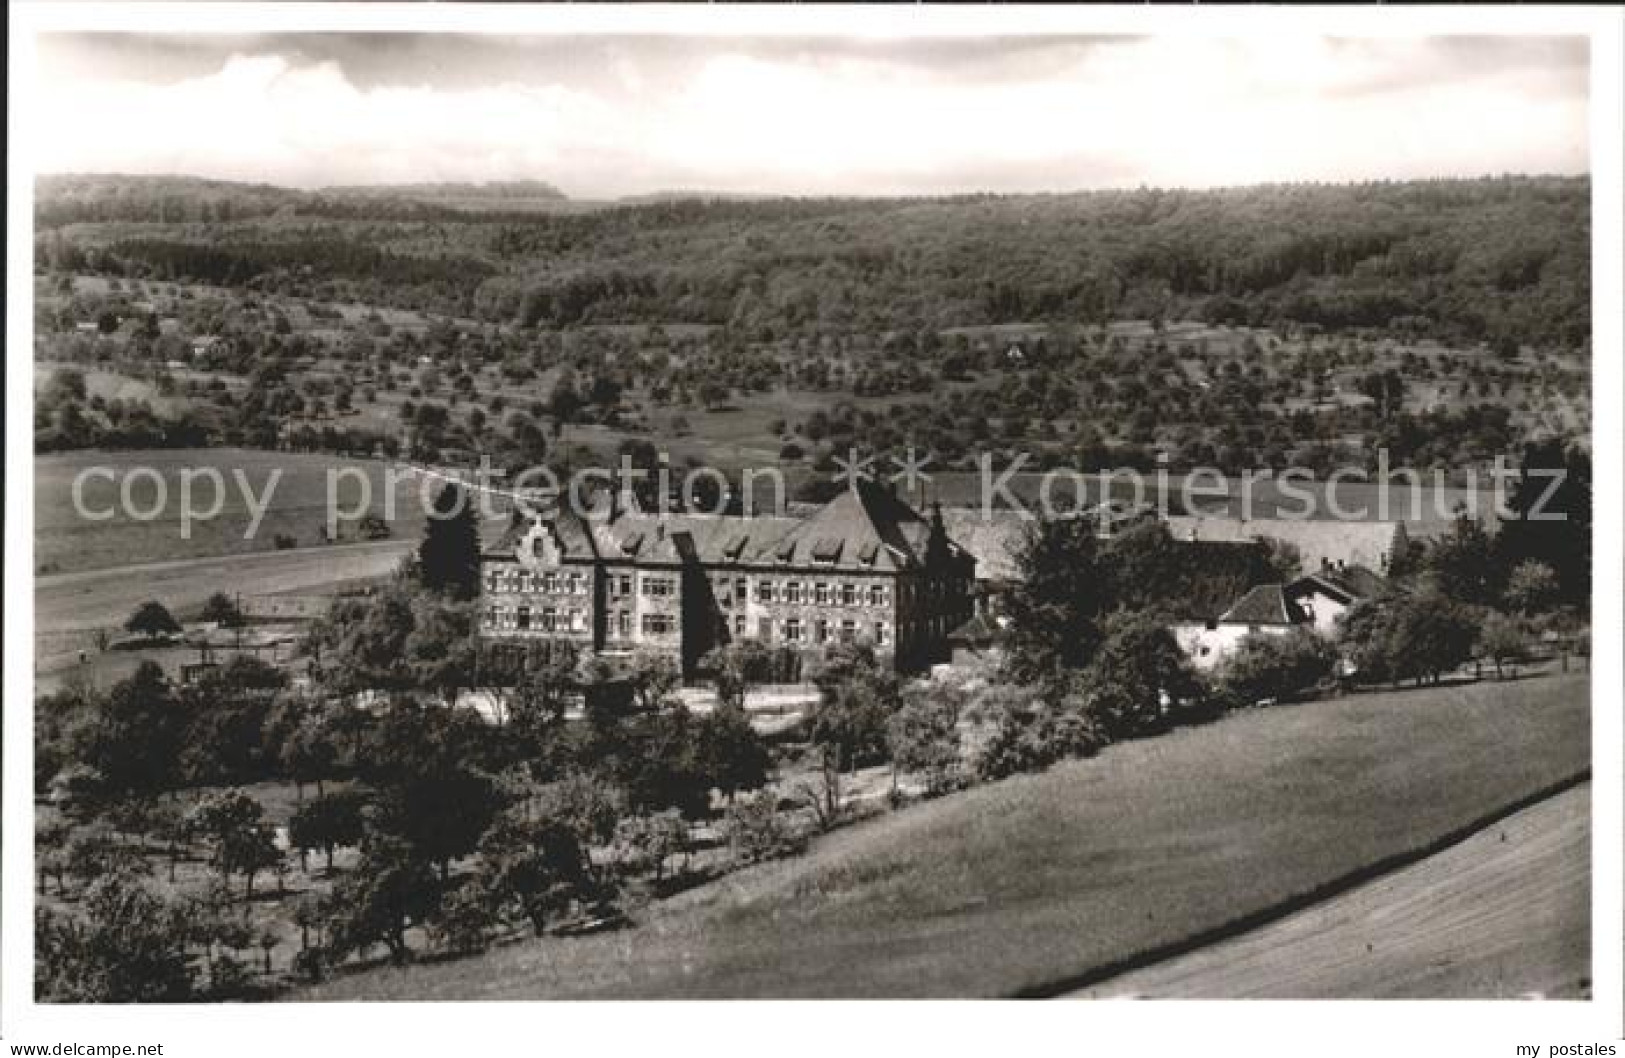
(1490, 259)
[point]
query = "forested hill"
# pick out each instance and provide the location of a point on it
(1491, 259)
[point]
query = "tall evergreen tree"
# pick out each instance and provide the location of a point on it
(1552, 518)
(449, 557)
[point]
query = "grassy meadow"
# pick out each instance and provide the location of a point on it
(66, 542)
(1028, 883)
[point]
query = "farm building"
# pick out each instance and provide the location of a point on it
(1327, 595)
(1317, 541)
(1264, 610)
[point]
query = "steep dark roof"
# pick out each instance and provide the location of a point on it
(859, 530)
(1347, 585)
(1265, 604)
(864, 527)
(1363, 582)
(573, 535)
(714, 539)
(993, 539)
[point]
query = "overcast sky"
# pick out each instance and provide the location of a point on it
(605, 116)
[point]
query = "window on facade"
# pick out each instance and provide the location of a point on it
(492, 580)
(877, 595)
(656, 624)
(490, 616)
(739, 625)
(849, 630)
(577, 584)
(550, 619)
(575, 620)
(624, 620)
(792, 592)
(550, 582)
(820, 631)
(741, 590)
(880, 633)
(656, 587)
(764, 591)
(792, 630)
(821, 593)
(849, 594)
(524, 617)
(626, 584)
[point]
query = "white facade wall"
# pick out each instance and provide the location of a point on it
(1208, 647)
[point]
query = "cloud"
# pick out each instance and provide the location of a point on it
(611, 116)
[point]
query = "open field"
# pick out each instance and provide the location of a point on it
(82, 602)
(1018, 885)
(1506, 913)
(292, 487)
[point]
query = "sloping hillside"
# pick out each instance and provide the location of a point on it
(1021, 884)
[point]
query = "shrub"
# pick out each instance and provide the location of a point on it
(923, 736)
(463, 924)
(1504, 640)
(758, 832)
(1030, 734)
(129, 948)
(1279, 668)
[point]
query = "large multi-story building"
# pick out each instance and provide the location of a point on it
(865, 567)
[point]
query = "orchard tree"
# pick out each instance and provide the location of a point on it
(239, 840)
(1430, 635)
(134, 735)
(1532, 588)
(151, 619)
(429, 789)
(732, 755)
(536, 867)
(390, 889)
(734, 668)
(128, 946)
(1504, 640)
(222, 610)
(327, 822)
(857, 696)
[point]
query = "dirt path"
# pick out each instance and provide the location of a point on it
(1505, 913)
